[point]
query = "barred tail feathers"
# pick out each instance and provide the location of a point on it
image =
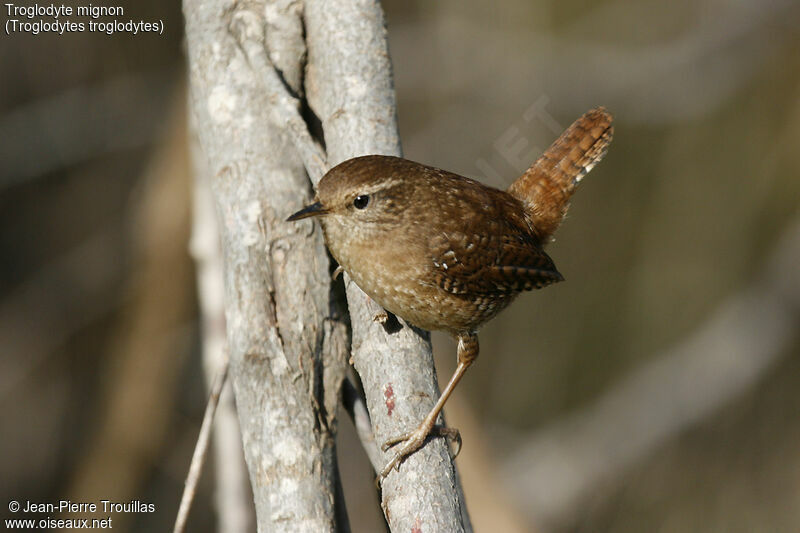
(546, 187)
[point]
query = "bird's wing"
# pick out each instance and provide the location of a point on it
(490, 263)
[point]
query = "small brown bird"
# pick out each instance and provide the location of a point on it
(444, 252)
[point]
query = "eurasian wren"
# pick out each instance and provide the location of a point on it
(444, 252)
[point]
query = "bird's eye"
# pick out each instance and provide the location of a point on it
(361, 201)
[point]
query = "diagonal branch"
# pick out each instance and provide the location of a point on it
(199, 456)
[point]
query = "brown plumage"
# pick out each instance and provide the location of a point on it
(445, 252)
(548, 184)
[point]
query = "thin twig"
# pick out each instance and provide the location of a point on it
(199, 457)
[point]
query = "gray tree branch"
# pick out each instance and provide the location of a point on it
(287, 356)
(350, 89)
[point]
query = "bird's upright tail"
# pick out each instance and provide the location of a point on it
(546, 187)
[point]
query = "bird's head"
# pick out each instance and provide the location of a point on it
(360, 200)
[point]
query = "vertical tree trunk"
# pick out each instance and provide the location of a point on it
(277, 283)
(350, 88)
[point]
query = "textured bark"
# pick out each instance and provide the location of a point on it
(277, 287)
(350, 89)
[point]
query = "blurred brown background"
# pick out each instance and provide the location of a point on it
(657, 389)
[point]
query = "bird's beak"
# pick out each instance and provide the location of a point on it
(312, 210)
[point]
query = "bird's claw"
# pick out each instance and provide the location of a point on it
(413, 442)
(453, 437)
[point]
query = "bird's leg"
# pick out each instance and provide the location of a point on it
(467, 353)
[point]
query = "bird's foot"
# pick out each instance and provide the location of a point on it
(388, 320)
(337, 273)
(413, 441)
